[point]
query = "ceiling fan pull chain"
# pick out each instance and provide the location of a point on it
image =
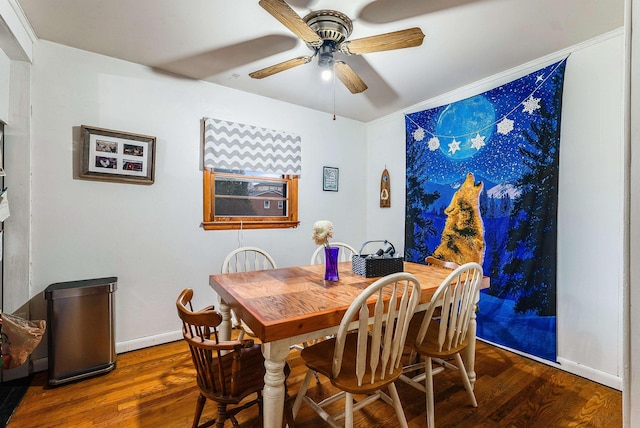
(334, 94)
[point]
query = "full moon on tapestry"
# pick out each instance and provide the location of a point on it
(482, 185)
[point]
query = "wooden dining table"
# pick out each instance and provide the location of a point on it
(293, 305)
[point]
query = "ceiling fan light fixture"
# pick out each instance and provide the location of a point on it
(327, 74)
(325, 54)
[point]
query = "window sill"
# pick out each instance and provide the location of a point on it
(231, 225)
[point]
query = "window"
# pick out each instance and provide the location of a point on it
(243, 199)
(235, 195)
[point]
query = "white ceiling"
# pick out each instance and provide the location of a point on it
(222, 41)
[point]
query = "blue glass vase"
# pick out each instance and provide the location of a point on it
(331, 263)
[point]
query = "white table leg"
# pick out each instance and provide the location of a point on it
(275, 354)
(224, 331)
(470, 352)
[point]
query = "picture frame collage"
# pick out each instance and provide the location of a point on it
(117, 156)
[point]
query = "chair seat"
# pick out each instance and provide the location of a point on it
(250, 382)
(319, 357)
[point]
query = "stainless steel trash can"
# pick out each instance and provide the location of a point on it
(80, 326)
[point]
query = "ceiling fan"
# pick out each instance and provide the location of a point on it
(326, 32)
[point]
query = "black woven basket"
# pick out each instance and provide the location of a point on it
(373, 265)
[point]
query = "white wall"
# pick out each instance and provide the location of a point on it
(590, 214)
(5, 67)
(631, 396)
(150, 236)
(590, 217)
(17, 158)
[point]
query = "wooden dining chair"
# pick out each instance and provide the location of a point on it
(246, 259)
(227, 372)
(344, 255)
(364, 356)
(430, 260)
(445, 337)
(417, 318)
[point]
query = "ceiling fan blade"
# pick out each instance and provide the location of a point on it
(280, 10)
(384, 42)
(286, 65)
(349, 78)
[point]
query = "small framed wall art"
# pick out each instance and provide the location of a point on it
(117, 156)
(330, 177)
(385, 190)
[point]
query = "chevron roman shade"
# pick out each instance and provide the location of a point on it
(240, 147)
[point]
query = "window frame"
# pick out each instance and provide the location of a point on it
(213, 222)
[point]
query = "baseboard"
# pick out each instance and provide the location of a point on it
(39, 365)
(16, 373)
(603, 378)
(148, 341)
(572, 367)
(42, 364)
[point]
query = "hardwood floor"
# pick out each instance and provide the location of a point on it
(155, 387)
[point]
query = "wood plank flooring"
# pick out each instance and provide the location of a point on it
(155, 387)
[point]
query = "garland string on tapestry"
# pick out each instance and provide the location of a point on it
(503, 124)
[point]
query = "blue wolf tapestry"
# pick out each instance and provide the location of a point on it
(482, 185)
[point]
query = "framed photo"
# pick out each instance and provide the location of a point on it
(117, 156)
(330, 178)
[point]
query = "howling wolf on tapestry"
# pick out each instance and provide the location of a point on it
(463, 234)
(482, 185)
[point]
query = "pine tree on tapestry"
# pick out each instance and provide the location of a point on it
(532, 239)
(417, 226)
